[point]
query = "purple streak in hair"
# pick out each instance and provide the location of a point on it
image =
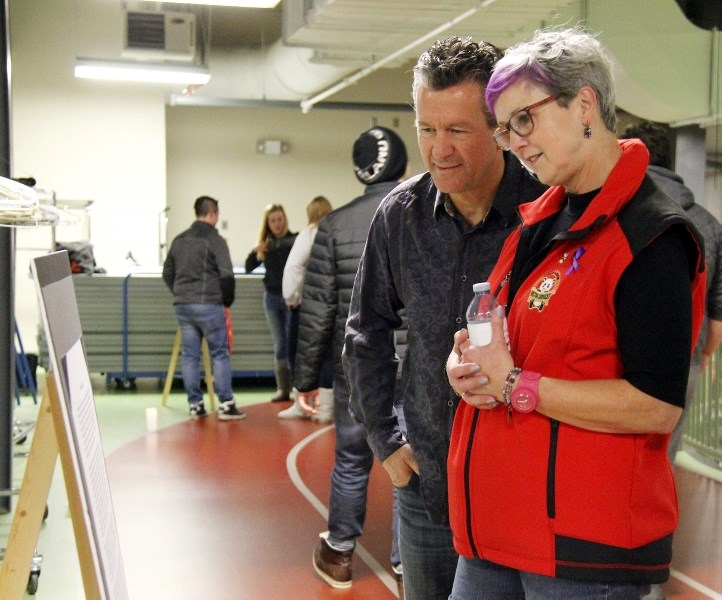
(505, 75)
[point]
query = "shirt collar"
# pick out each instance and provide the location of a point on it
(504, 203)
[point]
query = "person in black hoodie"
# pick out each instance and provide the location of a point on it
(274, 245)
(199, 272)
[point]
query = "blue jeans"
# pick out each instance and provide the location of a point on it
(350, 479)
(278, 317)
(427, 549)
(198, 321)
(480, 579)
(294, 320)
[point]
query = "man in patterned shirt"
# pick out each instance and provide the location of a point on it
(432, 238)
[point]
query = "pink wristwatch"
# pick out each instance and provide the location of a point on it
(525, 397)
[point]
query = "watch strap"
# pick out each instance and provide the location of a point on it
(525, 398)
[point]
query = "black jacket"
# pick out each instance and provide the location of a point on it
(198, 268)
(327, 287)
(275, 261)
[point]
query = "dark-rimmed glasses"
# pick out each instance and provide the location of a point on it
(520, 122)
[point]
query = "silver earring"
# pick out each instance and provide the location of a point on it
(587, 132)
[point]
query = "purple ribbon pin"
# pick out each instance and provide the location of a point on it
(575, 260)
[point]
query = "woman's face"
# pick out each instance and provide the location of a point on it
(277, 223)
(553, 150)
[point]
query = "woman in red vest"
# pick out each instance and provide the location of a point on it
(559, 483)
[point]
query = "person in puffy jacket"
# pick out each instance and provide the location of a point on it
(294, 274)
(380, 161)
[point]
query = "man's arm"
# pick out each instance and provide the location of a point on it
(713, 249)
(169, 269)
(227, 279)
(369, 354)
(714, 337)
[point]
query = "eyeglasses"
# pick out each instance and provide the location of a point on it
(520, 122)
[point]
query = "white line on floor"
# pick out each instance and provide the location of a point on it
(703, 589)
(292, 469)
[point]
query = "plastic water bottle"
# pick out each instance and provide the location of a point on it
(478, 315)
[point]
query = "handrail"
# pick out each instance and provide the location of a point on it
(703, 430)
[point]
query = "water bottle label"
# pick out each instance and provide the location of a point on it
(479, 333)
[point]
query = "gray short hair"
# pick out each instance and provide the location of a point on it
(562, 62)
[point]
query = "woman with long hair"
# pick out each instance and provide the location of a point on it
(272, 249)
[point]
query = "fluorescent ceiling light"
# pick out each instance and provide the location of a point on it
(239, 3)
(138, 71)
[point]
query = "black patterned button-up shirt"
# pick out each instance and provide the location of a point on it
(422, 256)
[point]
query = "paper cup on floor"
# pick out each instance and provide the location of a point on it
(151, 419)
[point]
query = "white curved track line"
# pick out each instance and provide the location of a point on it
(703, 589)
(292, 469)
(372, 563)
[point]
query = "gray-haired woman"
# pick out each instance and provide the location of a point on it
(559, 482)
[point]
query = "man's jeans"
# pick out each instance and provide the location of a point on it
(198, 321)
(477, 579)
(350, 479)
(427, 549)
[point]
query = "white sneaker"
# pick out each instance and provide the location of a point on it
(325, 406)
(294, 411)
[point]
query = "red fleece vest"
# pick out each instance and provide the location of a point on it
(542, 496)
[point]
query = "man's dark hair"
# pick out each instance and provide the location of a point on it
(456, 60)
(656, 138)
(205, 205)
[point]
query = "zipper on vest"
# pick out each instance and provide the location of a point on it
(552, 469)
(467, 487)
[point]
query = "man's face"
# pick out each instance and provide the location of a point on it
(455, 140)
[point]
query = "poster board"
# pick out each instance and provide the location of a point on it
(76, 429)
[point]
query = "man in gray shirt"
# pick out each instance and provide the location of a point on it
(199, 272)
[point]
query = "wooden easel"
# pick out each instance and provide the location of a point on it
(207, 368)
(51, 439)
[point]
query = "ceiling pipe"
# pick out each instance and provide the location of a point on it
(307, 104)
(278, 72)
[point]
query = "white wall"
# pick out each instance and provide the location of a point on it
(106, 142)
(83, 140)
(213, 151)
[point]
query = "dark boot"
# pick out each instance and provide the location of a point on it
(283, 383)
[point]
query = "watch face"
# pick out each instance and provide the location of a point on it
(524, 402)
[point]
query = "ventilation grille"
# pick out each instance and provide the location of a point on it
(160, 36)
(146, 30)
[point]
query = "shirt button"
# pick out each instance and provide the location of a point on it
(450, 403)
(459, 320)
(463, 278)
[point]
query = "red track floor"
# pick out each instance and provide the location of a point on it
(207, 509)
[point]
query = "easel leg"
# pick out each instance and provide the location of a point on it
(207, 367)
(171, 367)
(31, 505)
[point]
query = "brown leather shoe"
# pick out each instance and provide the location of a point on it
(332, 566)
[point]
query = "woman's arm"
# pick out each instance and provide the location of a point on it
(654, 310)
(612, 406)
